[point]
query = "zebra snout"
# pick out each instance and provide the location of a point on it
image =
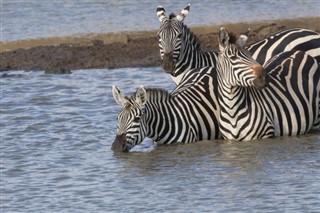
(167, 62)
(120, 144)
(167, 54)
(262, 78)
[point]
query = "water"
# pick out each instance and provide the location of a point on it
(21, 19)
(56, 134)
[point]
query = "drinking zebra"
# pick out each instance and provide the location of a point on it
(191, 112)
(180, 49)
(281, 99)
(187, 114)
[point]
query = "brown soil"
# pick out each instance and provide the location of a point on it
(126, 49)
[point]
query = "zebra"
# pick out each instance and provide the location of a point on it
(192, 112)
(255, 102)
(180, 49)
(187, 114)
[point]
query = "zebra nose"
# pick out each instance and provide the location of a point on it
(120, 144)
(168, 56)
(257, 69)
(168, 53)
(168, 63)
(262, 78)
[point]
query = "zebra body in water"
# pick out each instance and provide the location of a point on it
(192, 112)
(187, 114)
(280, 99)
(180, 49)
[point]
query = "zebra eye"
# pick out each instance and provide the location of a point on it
(180, 35)
(233, 58)
(136, 119)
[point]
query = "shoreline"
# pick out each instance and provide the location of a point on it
(124, 49)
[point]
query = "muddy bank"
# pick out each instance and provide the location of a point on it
(127, 49)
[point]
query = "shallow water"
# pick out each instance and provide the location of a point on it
(56, 135)
(38, 18)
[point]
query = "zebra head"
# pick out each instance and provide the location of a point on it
(238, 68)
(130, 130)
(170, 37)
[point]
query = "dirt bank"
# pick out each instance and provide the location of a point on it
(127, 49)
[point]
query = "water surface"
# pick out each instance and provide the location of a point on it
(38, 18)
(56, 134)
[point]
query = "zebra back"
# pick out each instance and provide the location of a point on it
(304, 40)
(188, 114)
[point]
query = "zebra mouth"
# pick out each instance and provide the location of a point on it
(262, 78)
(168, 63)
(261, 82)
(120, 144)
(168, 67)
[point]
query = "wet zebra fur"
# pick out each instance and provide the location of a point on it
(191, 112)
(187, 114)
(180, 49)
(281, 99)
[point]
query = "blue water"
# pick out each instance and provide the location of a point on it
(37, 18)
(56, 131)
(56, 134)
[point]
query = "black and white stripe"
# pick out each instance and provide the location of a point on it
(180, 49)
(188, 114)
(281, 99)
(305, 40)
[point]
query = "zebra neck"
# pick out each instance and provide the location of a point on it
(232, 98)
(192, 56)
(158, 114)
(243, 114)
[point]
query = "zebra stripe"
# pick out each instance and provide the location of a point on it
(180, 49)
(190, 113)
(288, 105)
(290, 39)
(187, 114)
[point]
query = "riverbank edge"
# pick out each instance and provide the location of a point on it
(124, 49)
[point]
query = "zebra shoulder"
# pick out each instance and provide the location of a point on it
(290, 62)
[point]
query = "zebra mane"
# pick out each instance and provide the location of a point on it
(232, 38)
(192, 38)
(155, 93)
(172, 15)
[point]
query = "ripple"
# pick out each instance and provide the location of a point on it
(56, 154)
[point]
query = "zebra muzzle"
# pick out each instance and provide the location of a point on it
(168, 63)
(262, 78)
(120, 144)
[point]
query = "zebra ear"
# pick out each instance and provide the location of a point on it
(161, 13)
(223, 38)
(141, 96)
(118, 96)
(242, 40)
(183, 13)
